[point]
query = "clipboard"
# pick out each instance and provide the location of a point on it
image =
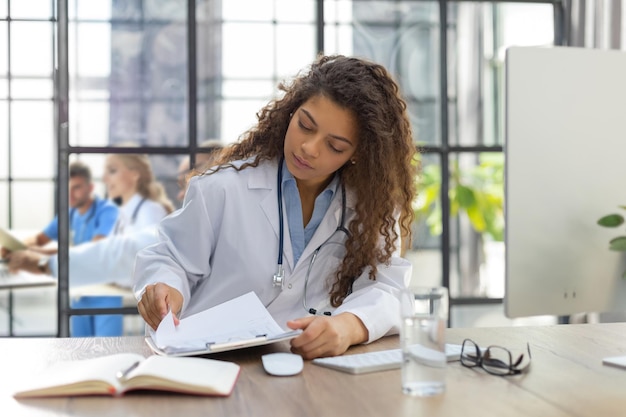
(216, 347)
(9, 241)
(239, 323)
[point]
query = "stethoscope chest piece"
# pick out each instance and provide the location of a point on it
(279, 277)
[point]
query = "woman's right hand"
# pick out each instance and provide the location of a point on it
(157, 301)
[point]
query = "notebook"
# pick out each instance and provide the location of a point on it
(119, 373)
(382, 360)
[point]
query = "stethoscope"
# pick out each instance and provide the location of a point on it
(279, 277)
(119, 228)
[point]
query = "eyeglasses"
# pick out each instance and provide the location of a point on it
(495, 360)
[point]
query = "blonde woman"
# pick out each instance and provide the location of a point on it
(130, 182)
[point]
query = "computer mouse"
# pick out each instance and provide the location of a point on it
(282, 363)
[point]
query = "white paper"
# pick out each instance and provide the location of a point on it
(241, 318)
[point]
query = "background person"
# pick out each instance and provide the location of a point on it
(90, 217)
(107, 260)
(143, 203)
(332, 159)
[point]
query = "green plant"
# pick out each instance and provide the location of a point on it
(617, 243)
(477, 191)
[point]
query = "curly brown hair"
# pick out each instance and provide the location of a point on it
(383, 180)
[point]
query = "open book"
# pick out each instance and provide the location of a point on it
(119, 373)
(238, 323)
(9, 241)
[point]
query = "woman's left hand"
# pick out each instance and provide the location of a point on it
(327, 335)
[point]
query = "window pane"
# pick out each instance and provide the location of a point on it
(172, 10)
(477, 224)
(32, 88)
(31, 9)
(338, 11)
(258, 10)
(4, 206)
(295, 48)
(166, 124)
(338, 39)
(93, 10)
(92, 43)
(479, 35)
(32, 204)
(3, 8)
(125, 123)
(425, 250)
(165, 169)
(89, 123)
(243, 58)
(209, 120)
(4, 55)
(248, 88)
(35, 311)
(404, 37)
(4, 140)
(238, 116)
(32, 150)
(295, 11)
(31, 48)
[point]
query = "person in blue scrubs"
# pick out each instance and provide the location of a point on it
(91, 218)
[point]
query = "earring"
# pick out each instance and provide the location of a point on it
(353, 161)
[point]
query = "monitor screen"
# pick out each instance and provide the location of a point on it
(565, 168)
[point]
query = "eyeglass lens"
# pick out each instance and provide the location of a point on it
(495, 359)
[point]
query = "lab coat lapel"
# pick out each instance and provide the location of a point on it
(266, 178)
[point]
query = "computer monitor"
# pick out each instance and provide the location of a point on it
(565, 168)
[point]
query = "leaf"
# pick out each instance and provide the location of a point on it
(465, 196)
(611, 220)
(619, 243)
(477, 219)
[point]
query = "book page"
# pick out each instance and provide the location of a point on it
(241, 318)
(190, 375)
(9, 241)
(80, 377)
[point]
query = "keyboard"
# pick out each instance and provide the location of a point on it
(382, 360)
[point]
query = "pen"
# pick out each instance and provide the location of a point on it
(122, 374)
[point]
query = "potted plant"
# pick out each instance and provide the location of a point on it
(478, 192)
(617, 243)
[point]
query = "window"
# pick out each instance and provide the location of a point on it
(166, 76)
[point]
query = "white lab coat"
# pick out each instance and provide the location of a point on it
(224, 243)
(131, 219)
(111, 260)
(106, 261)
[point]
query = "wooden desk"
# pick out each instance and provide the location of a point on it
(567, 379)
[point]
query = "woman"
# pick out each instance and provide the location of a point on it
(331, 159)
(130, 181)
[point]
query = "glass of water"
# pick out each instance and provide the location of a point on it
(424, 312)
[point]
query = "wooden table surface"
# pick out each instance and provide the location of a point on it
(567, 378)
